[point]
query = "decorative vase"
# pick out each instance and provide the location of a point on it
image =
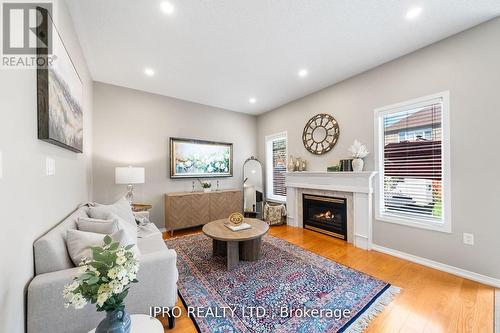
(117, 321)
(357, 164)
(304, 165)
(207, 189)
(291, 164)
(298, 164)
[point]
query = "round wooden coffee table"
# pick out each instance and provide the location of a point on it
(236, 245)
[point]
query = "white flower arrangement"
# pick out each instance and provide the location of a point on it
(358, 150)
(103, 280)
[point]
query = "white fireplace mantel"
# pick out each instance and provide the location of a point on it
(356, 186)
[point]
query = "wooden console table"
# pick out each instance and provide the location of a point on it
(190, 209)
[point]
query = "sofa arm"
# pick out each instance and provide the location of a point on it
(46, 311)
(157, 284)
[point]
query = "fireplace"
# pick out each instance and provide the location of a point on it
(327, 215)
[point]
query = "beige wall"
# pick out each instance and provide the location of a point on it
(32, 203)
(468, 66)
(132, 127)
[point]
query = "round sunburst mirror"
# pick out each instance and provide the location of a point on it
(321, 133)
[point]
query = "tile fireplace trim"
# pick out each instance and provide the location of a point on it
(357, 186)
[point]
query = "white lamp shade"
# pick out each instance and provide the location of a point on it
(129, 175)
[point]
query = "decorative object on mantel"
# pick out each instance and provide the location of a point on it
(296, 164)
(358, 152)
(105, 280)
(320, 134)
(206, 185)
(333, 168)
(291, 164)
(304, 165)
(345, 165)
(129, 175)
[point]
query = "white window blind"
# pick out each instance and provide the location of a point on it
(411, 162)
(276, 150)
(279, 167)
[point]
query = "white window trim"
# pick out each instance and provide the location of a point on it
(269, 166)
(443, 97)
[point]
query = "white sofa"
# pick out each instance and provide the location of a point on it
(46, 313)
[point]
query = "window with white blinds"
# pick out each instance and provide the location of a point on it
(412, 157)
(276, 148)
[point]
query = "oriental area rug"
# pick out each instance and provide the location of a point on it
(288, 290)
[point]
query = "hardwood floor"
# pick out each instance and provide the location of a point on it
(430, 301)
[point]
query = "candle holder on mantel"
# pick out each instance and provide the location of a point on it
(297, 164)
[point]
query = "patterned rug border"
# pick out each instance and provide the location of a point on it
(358, 323)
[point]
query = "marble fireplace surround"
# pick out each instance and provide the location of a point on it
(356, 187)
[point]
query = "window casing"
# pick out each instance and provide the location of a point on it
(276, 162)
(413, 160)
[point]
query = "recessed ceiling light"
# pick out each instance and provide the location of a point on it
(303, 73)
(149, 71)
(252, 100)
(413, 13)
(167, 7)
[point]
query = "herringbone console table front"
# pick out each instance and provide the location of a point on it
(190, 209)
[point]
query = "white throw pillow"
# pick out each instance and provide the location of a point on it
(99, 226)
(121, 208)
(79, 243)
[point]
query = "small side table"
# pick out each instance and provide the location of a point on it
(143, 323)
(137, 207)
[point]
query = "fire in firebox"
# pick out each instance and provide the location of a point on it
(328, 215)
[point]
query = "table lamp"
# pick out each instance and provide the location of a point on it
(129, 175)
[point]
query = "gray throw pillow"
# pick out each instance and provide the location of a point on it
(99, 226)
(79, 243)
(121, 208)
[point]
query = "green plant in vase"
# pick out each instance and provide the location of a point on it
(206, 185)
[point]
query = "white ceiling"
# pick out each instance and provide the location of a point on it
(223, 52)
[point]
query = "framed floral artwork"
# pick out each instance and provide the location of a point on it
(200, 159)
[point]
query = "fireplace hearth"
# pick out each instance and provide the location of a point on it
(327, 215)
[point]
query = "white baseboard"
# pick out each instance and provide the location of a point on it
(439, 266)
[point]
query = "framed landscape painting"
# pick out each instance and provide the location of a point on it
(200, 159)
(59, 93)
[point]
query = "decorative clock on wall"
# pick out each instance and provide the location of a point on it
(321, 133)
